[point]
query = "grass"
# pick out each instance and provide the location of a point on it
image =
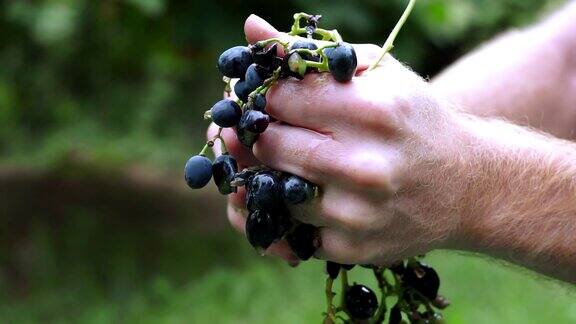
(255, 289)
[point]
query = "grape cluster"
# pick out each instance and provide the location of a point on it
(269, 193)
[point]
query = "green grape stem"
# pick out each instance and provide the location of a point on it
(204, 149)
(344, 284)
(266, 42)
(382, 284)
(389, 43)
(330, 316)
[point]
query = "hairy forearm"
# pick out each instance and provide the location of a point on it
(520, 203)
(526, 76)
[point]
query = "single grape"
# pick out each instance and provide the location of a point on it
(262, 192)
(246, 137)
(242, 90)
(296, 65)
(262, 229)
(282, 217)
(303, 241)
(226, 113)
(296, 190)
(332, 269)
(198, 171)
(254, 77)
(306, 44)
(234, 62)
(266, 57)
(423, 279)
(259, 102)
(342, 61)
(224, 168)
(360, 302)
(254, 121)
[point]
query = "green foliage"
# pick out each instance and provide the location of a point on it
(144, 69)
(126, 82)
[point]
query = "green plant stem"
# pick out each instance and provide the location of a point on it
(389, 43)
(223, 147)
(344, 284)
(204, 149)
(266, 42)
(382, 284)
(330, 316)
(268, 83)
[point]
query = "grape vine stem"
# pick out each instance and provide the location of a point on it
(389, 43)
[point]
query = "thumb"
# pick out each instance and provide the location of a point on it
(257, 29)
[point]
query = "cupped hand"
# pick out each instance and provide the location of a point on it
(382, 148)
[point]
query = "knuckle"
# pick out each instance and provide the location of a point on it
(342, 217)
(314, 157)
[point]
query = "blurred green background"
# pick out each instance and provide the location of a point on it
(101, 105)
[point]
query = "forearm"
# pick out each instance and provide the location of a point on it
(521, 199)
(527, 76)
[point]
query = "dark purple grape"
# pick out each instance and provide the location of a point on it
(303, 241)
(254, 121)
(306, 44)
(246, 137)
(282, 217)
(224, 170)
(266, 58)
(296, 190)
(259, 102)
(342, 62)
(261, 229)
(265, 227)
(254, 77)
(332, 269)
(198, 171)
(262, 192)
(423, 279)
(360, 302)
(226, 113)
(234, 62)
(242, 90)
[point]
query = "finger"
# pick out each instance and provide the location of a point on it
(366, 55)
(237, 218)
(282, 249)
(311, 102)
(210, 133)
(256, 29)
(339, 247)
(299, 151)
(308, 213)
(322, 104)
(238, 199)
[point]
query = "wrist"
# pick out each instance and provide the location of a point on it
(516, 176)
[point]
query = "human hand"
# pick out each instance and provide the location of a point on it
(382, 149)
